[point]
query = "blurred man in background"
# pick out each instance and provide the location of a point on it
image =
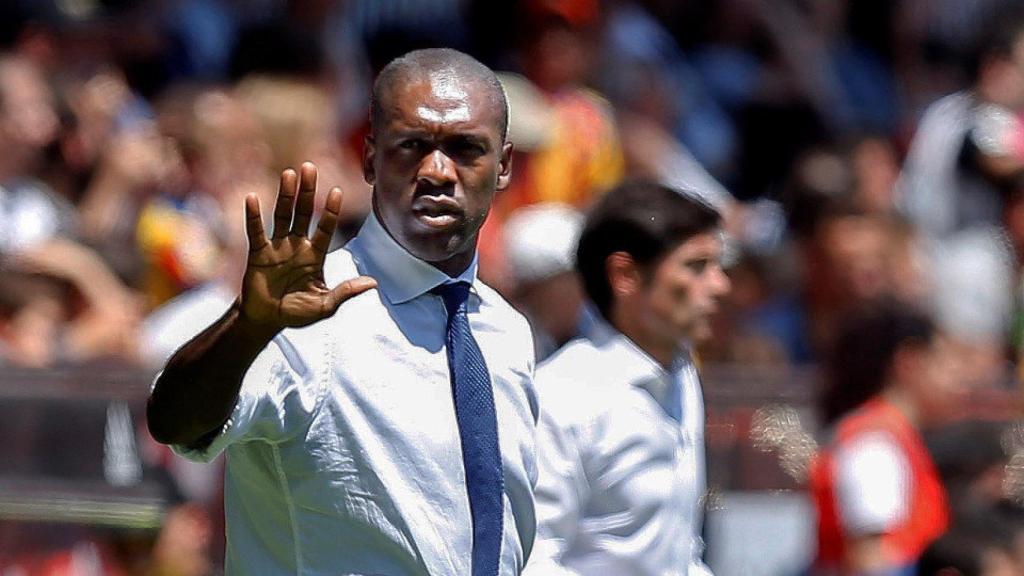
(971, 142)
(571, 152)
(879, 498)
(540, 245)
(46, 269)
(621, 448)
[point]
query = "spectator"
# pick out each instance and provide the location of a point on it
(540, 242)
(968, 143)
(575, 155)
(977, 294)
(298, 122)
(676, 100)
(879, 499)
(180, 230)
(42, 260)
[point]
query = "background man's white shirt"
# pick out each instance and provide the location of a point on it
(621, 455)
(343, 453)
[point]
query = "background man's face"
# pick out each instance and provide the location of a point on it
(435, 163)
(28, 121)
(937, 381)
(684, 288)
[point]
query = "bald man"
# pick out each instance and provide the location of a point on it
(376, 404)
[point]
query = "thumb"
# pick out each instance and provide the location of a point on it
(347, 289)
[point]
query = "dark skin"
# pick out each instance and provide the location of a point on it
(435, 163)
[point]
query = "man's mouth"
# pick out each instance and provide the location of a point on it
(438, 212)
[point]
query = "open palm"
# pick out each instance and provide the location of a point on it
(284, 283)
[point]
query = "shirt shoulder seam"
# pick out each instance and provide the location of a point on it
(290, 504)
(584, 491)
(319, 378)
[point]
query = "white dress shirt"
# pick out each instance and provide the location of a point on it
(343, 452)
(621, 457)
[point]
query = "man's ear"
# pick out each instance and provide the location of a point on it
(624, 275)
(505, 166)
(369, 152)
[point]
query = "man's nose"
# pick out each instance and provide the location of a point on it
(437, 169)
(720, 282)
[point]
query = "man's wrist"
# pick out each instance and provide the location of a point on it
(249, 330)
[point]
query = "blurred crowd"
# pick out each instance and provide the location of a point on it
(856, 149)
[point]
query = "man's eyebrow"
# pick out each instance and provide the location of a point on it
(411, 133)
(710, 254)
(470, 137)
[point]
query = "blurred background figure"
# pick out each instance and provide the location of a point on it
(540, 244)
(235, 142)
(968, 144)
(61, 301)
(569, 149)
(879, 499)
(623, 425)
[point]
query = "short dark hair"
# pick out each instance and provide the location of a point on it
(412, 64)
(999, 31)
(868, 338)
(643, 218)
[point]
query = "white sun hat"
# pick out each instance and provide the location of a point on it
(540, 241)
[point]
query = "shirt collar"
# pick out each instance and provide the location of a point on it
(632, 365)
(400, 275)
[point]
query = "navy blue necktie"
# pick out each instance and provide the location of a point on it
(478, 430)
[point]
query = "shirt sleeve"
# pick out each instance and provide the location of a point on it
(699, 568)
(872, 485)
(994, 130)
(277, 398)
(559, 495)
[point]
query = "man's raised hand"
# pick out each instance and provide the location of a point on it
(284, 277)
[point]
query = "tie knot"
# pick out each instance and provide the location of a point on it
(454, 295)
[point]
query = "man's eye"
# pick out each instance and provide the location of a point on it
(466, 149)
(412, 144)
(697, 266)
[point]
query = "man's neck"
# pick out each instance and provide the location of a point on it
(900, 400)
(663, 351)
(452, 267)
(456, 265)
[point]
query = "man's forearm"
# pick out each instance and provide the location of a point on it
(199, 387)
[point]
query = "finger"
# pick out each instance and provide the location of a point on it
(285, 203)
(254, 223)
(328, 221)
(307, 195)
(348, 289)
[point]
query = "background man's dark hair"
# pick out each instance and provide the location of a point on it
(1000, 30)
(642, 218)
(419, 62)
(867, 342)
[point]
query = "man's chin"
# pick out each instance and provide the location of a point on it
(699, 333)
(438, 247)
